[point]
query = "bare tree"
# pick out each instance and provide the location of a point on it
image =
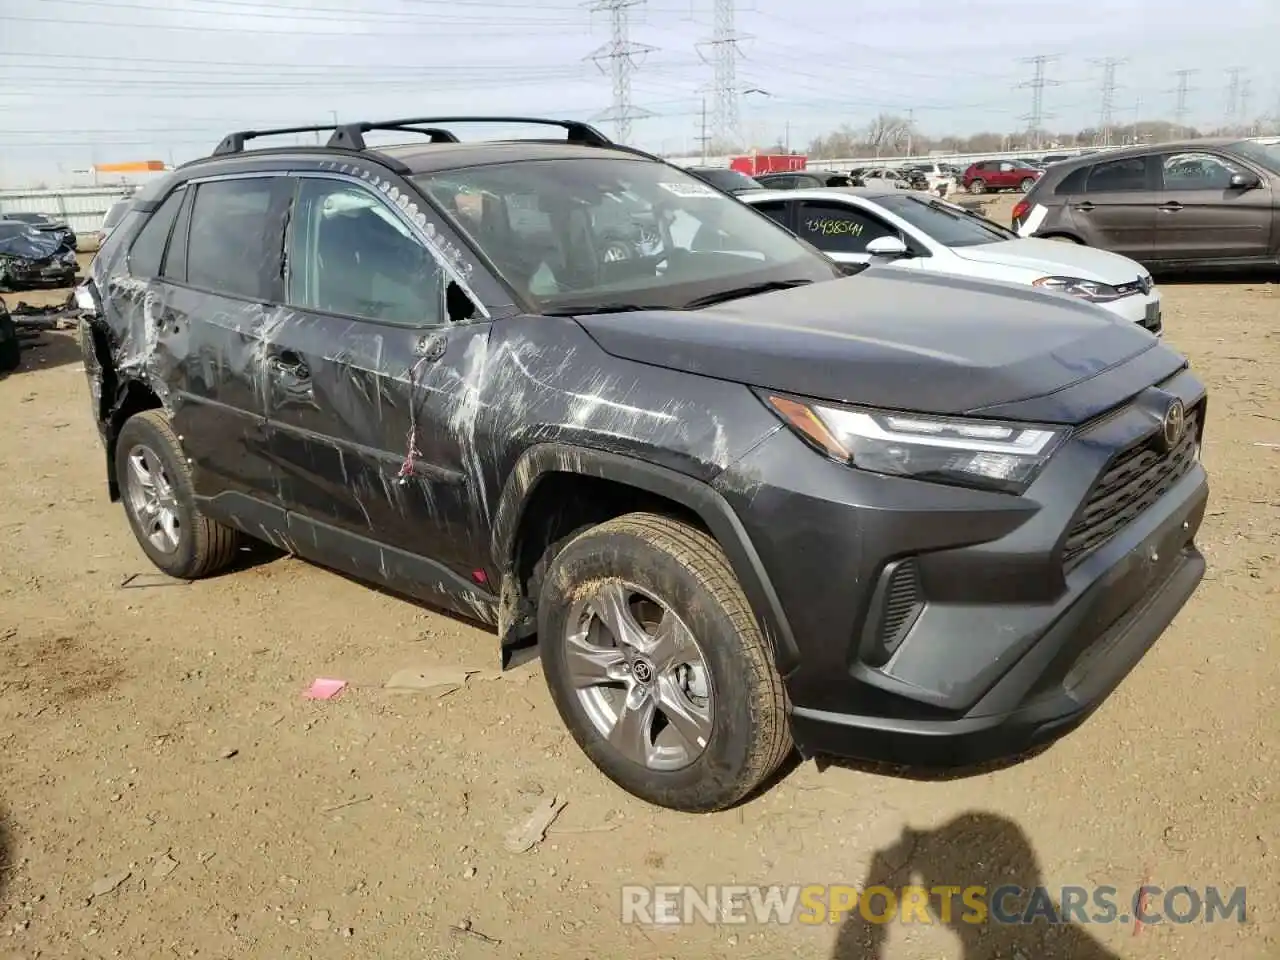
(887, 133)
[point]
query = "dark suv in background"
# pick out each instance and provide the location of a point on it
(1202, 203)
(739, 498)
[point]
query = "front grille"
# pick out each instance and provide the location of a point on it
(1134, 480)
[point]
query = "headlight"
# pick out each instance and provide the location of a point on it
(1090, 290)
(973, 453)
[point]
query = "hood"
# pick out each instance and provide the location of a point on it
(1053, 259)
(885, 338)
(28, 244)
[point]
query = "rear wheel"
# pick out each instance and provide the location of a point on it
(657, 665)
(1026, 184)
(155, 485)
(977, 186)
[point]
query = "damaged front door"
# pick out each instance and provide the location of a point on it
(363, 377)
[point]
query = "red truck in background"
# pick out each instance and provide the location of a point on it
(760, 163)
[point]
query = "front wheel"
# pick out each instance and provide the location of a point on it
(977, 186)
(155, 485)
(1026, 184)
(657, 666)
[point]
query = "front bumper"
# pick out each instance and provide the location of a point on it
(1002, 639)
(1144, 310)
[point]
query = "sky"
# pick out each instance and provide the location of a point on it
(97, 81)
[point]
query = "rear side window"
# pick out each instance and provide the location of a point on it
(836, 228)
(148, 248)
(114, 214)
(775, 210)
(1118, 176)
(1073, 182)
(236, 237)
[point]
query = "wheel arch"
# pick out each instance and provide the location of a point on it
(519, 514)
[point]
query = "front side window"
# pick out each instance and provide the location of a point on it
(837, 228)
(1197, 171)
(234, 244)
(597, 233)
(147, 251)
(1118, 176)
(946, 223)
(349, 254)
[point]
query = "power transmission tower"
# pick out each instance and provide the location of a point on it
(1233, 96)
(622, 55)
(1105, 114)
(724, 42)
(1180, 110)
(1246, 94)
(1036, 118)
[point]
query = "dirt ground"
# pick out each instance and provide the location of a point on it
(166, 790)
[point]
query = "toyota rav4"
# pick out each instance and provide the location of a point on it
(739, 499)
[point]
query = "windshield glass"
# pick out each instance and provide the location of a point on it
(115, 213)
(597, 232)
(1264, 151)
(946, 223)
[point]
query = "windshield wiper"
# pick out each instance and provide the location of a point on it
(749, 290)
(591, 308)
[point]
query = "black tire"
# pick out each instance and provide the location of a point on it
(1026, 184)
(10, 347)
(978, 186)
(686, 569)
(204, 546)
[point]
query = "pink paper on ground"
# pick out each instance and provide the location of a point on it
(322, 689)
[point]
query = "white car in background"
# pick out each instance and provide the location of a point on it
(917, 231)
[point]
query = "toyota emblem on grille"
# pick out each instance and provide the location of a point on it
(1175, 422)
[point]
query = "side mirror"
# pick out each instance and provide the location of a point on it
(1244, 181)
(887, 247)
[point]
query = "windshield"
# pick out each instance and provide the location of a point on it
(603, 232)
(946, 223)
(1264, 151)
(115, 213)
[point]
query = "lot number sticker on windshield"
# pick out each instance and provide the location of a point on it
(690, 189)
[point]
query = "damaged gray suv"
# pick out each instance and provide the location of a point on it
(739, 499)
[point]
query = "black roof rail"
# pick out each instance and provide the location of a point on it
(351, 135)
(234, 142)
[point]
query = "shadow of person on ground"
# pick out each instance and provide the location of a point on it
(7, 851)
(975, 849)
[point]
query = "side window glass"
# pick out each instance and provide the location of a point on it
(1006, 168)
(1118, 176)
(1072, 182)
(351, 255)
(148, 248)
(234, 244)
(175, 259)
(1197, 171)
(775, 210)
(840, 229)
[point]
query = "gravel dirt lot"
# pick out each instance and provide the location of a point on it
(166, 790)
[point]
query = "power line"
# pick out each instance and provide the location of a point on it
(1233, 96)
(1180, 109)
(1105, 113)
(1036, 118)
(621, 54)
(724, 41)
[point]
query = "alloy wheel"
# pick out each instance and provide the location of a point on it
(152, 500)
(639, 675)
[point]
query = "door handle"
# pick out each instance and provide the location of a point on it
(1173, 207)
(289, 364)
(1084, 207)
